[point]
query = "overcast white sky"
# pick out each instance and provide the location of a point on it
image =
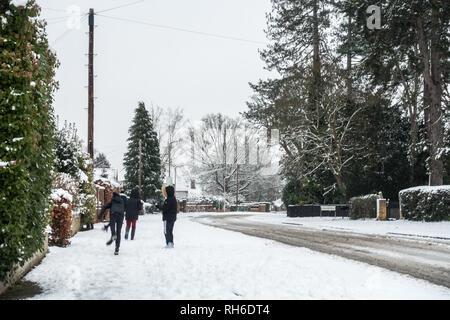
(169, 68)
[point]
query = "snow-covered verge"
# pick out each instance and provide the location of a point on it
(211, 263)
(417, 229)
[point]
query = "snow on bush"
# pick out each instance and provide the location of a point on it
(19, 3)
(429, 203)
(363, 206)
(61, 222)
(60, 194)
(148, 207)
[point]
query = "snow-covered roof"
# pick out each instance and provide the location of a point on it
(110, 178)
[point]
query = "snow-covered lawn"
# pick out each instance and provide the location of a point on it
(211, 263)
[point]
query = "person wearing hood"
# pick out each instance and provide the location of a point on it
(169, 210)
(134, 205)
(116, 214)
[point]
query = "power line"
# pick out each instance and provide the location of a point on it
(51, 9)
(56, 18)
(122, 6)
(68, 31)
(184, 30)
(56, 21)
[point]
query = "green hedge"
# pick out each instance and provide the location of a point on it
(300, 192)
(425, 203)
(26, 133)
(363, 207)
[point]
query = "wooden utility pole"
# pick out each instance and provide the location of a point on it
(91, 86)
(140, 166)
(175, 184)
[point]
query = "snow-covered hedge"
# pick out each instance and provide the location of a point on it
(27, 85)
(61, 222)
(363, 206)
(426, 203)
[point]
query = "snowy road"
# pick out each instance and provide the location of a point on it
(428, 260)
(211, 263)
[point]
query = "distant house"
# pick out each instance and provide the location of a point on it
(186, 188)
(106, 183)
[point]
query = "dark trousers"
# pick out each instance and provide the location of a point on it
(115, 222)
(168, 230)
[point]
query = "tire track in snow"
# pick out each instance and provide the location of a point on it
(428, 260)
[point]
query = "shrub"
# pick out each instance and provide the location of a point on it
(61, 214)
(71, 161)
(425, 203)
(27, 84)
(363, 206)
(302, 192)
(88, 200)
(148, 207)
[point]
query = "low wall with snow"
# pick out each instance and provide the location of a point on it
(19, 271)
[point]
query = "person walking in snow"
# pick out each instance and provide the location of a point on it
(116, 207)
(134, 206)
(169, 210)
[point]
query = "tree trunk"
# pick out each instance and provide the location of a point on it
(341, 185)
(316, 62)
(432, 96)
(436, 137)
(349, 59)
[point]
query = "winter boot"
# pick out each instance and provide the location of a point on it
(170, 245)
(132, 233)
(116, 252)
(113, 238)
(127, 230)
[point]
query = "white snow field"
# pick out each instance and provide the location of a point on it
(211, 263)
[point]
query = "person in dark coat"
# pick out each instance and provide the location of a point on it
(116, 214)
(169, 209)
(134, 206)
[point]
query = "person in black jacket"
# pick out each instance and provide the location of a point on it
(169, 209)
(134, 205)
(116, 214)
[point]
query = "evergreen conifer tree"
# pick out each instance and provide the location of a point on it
(142, 129)
(101, 161)
(67, 149)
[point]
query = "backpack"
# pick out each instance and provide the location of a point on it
(117, 208)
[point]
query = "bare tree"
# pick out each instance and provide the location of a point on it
(170, 124)
(320, 140)
(228, 156)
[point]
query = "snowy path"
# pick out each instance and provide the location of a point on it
(211, 263)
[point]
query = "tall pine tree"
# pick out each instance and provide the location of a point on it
(142, 129)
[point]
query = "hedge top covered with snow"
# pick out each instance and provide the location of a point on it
(426, 189)
(429, 203)
(60, 194)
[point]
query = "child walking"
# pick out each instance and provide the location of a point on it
(134, 206)
(169, 209)
(116, 215)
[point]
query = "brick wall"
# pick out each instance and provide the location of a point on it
(19, 272)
